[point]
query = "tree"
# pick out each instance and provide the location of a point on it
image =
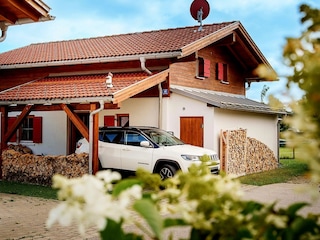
(303, 55)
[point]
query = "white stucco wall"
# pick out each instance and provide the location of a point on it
(54, 133)
(142, 111)
(179, 106)
(262, 127)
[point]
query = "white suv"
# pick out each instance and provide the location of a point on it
(125, 149)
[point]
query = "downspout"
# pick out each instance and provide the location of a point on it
(143, 65)
(4, 29)
(160, 106)
(101, 102)
(145, 69)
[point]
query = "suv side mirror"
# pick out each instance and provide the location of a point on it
(145, 144)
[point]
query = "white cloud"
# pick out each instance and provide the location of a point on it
(251, 6)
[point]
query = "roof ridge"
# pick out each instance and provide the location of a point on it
(165, 42)
(131, 33)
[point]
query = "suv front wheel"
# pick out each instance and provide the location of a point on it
(167, 171)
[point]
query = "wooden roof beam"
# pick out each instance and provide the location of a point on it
(27, 10)
(8, 16)
(140, 86)
(25, 112)
(83, 129)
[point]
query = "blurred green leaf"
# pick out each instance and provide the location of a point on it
(149, 212)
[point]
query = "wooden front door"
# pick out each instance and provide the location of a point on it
(191, 130)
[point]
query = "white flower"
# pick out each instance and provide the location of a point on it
(278, 221)
(108, 176)
(88, 202)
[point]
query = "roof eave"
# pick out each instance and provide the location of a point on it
(106, 99)
(162, 55)
(209, 39)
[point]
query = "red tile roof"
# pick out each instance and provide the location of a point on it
(71, 87)
(152, 42)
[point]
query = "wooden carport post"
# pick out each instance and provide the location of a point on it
(4, 124)
(95, 138)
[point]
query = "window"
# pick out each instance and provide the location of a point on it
(123, 120)
(222, 72)
(27, 130)
(30, 129)
(134, 138)
(203, 70)
(114, 137)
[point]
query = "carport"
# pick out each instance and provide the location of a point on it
(70, 94)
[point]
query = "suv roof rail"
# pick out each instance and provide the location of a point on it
(119, 127)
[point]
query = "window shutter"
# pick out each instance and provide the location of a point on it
(37, 129)
(108, 121)
(220, 71)
(10, 122)
(206, 70)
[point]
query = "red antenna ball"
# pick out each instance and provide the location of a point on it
(196, 6)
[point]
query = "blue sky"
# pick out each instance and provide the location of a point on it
(268, 22)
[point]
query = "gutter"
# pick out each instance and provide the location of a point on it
(108, 99)
(96, 60)
(28, 20)
(4, 29)
(91, 133)
(4, 26)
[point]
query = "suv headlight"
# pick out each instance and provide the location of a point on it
(190, 157)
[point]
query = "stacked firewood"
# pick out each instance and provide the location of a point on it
(20, 148)
(29, 168)
(259, 157)
(237, 141)
(242, 155)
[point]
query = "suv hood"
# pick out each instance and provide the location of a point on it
(189, 149)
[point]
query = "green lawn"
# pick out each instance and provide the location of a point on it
(289, 169)
(287, 153)
(27, 190)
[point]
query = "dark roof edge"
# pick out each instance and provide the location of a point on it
(231, 106)
(96, 60)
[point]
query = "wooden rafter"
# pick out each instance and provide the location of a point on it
(25, 9)
(25, 112)
(140, 86)
(76, 121)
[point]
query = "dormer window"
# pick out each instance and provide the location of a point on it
(222, 72)
(203, 68)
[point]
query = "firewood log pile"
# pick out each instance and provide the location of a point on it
(241, 155)
(259, 157)
(28, 168)
(237, 152)
(20, 148)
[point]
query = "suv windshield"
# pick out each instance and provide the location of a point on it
(162, 138)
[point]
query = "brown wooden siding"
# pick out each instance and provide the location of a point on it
(184, 73)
